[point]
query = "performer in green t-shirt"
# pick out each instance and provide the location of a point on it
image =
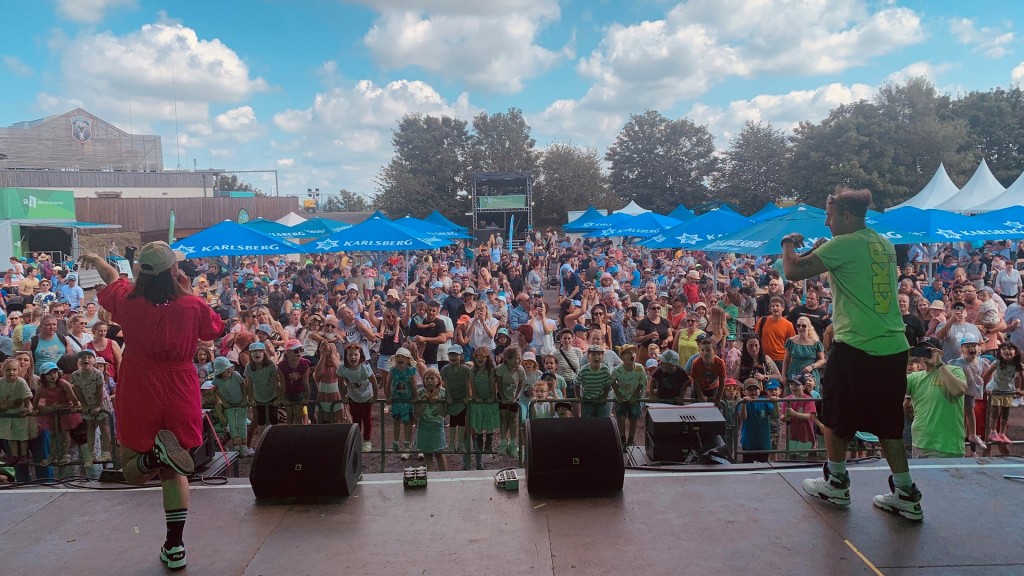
(865, 378)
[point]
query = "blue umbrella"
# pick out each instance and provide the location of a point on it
(640, 226)
(762, 239)
(230, 239)
(271, 228)
(376, 234)
(429, 228)
(437, 218)
(908, 225)
(707, 226)
(1010, 218)
(589, 215)
(317, 228)
(787, 210)
(603, 222)
(766, 209)
(681, 213)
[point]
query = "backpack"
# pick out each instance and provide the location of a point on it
(35, 342)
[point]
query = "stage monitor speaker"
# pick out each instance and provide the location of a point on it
(573, 457)
(315, 461)
(203, 454)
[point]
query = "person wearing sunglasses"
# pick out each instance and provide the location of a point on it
(864, 387)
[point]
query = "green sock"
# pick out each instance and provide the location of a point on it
(902, 480)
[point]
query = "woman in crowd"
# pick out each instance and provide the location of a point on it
(754, 363)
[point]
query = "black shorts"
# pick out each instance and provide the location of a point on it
(266, 415)
(457, 419)
(863, 393)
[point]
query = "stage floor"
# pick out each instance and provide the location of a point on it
(722, 520)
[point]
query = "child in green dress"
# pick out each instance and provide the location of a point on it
(456, 378)
(628, 383)
(483, 410)
(511, 380)
(430, 410)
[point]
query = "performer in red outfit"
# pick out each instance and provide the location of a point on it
(158, 403)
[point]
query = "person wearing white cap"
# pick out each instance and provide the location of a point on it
(158, 402)
(974, 367)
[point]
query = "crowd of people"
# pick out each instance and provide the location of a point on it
(466, 342)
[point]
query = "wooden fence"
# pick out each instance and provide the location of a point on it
(151, 214)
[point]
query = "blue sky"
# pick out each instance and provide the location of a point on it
(313, 88)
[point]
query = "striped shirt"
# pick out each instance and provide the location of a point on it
(594, 384)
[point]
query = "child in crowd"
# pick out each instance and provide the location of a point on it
(593, 383)
(510, 380)
(754, 415)
(628, 383)
(456, 378)
(264, 388)
(728, 406)
(294, 372)
(564, 410)
(430, 410)
(90, 388)
(204, 363)
(55, 395)
(502, 340)
(800, 418)
(551, 365)
(541, 408)
(360, 390)
(531, 369)
(329, 406)
(232, 395)
(483, 412)
(400, 390)
(1004, 379)
(16, 405)
(669, 381)
(772, 391)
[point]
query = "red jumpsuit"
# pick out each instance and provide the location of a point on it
(157, 384)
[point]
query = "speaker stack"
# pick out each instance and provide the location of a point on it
(321, 461)
(672, 433)
(573, 457)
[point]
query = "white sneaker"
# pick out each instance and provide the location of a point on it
(829, 488)
(104, 458)
(367, 446)
(250, 452)
(902, 502)
(174, 558)
(171, 454)
(978, 441)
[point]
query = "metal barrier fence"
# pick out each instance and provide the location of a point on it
(48, 456)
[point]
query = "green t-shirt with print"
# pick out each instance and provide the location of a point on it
(938, 418)
(862, 274)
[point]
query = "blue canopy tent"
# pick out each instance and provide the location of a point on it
(1010, 218)
(603, 222)
(641, 226)
(909, 225)
(437, 218)
(681, 213)
(707, 226)
(318, 228)
(230, 239)
(271, 228)
(429, 228)
(376, 234)
(762, 239)
(589, 215)
(766, 209)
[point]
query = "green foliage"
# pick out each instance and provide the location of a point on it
(754, 171)
(430, 167)
(995, 122)
(571, 178)
(660, 162)
(231, 183)
(501, 142)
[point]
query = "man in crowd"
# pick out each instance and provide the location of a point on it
(774, 330)
(812, 310)
(935, 404)
(954, 331)
(973, 367)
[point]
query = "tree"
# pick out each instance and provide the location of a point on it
(429, 168)
(345, 201)
(754, 168)
(571, 178)
(995, 131)
(231, 183)
(660, 163)
(501, 142)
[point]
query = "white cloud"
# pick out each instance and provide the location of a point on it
(784, 111)
(989, 40)
(490, 45)
(701, 43)
(286, 162)
(89, 11)
(15, 66)
(157, 66)
(1017, 75)
(344, 136)
(919, 69)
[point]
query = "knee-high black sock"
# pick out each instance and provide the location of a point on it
(148, 462)
(175, 526)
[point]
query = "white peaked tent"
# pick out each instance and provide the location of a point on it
(1014, 196)
(291, 219)
(633, 209)
(977, 194)
(939, 189)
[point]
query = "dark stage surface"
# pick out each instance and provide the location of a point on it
(723, 522)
